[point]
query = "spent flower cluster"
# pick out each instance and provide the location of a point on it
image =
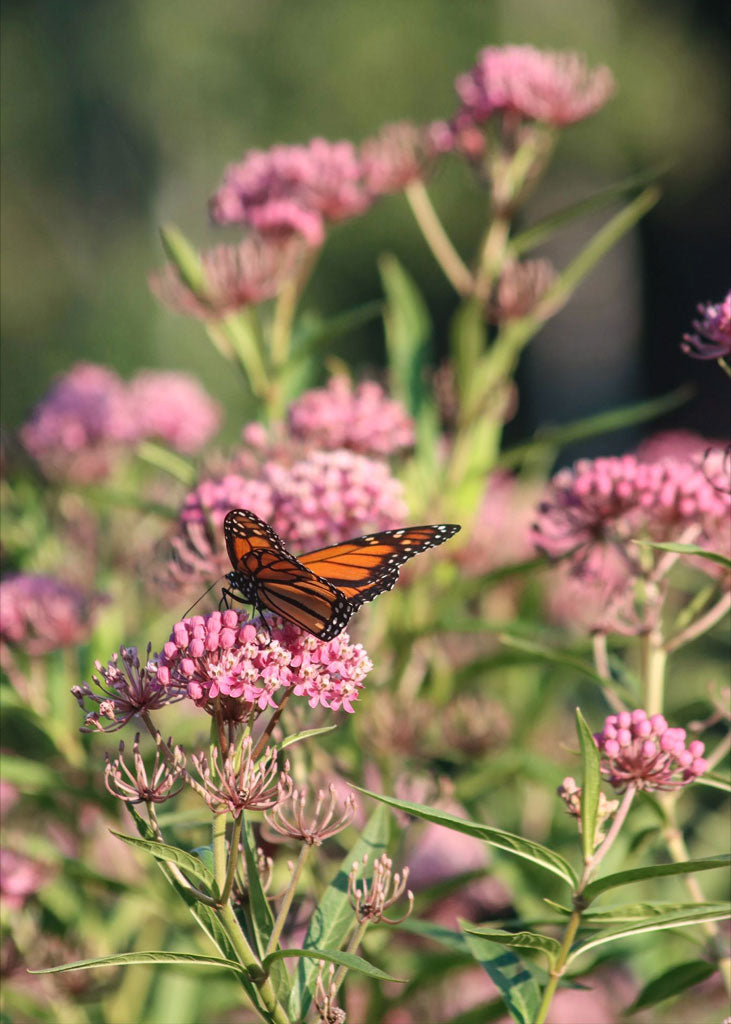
(712, 339)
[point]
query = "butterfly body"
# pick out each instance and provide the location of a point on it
(320, 590)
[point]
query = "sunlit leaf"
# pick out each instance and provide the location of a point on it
(172, 854)
(653, 871)
(305, 734)
(688, 549)
(333, 956)
(517, 940)
(590, 785)
(147, 957)
(512, 976)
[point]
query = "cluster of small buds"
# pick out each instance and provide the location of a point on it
(235, 276)
(556, 88)
(293, 189)
(371, 899)
(363, 419)
(325, 998)
(230, 655)
(616, 499)
(399, 154)
(712, 339)
(42, 613)
(570, 793)
(647, 753)
(128, 688)
(236, 782)
(520, 288)
(173, 407)
(136, 785)
(295, 820)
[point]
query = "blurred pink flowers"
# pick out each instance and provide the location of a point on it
(235, 276)
(230, 655)
(557, 88)
(400, 153)
(174, 407)
(362, 418)
(713, 337)
(646, 753)
(20, 877)
(293, 189)
(42, 613)
(520, 288)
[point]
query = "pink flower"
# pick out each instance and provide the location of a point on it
(679, 444)
(557, 88)
(293, 189)
(501, 532)
(78, 430)
(520, 288)
(20, 877)
(235, 276)
(42, 613)
(400, 153)
(363, 418)
(646, 753)
(230, 655)
(713, 340)
(174, 407)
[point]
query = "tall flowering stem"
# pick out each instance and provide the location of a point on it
(455, 269)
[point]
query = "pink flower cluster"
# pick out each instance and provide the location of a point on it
(231, 655)
(713, 337)
(557, 88)
(42, 613)
(235, 276)
(399, 154)
(91, 416)
(616, 499)
(363, 418)
(646, 753)
(293, 189)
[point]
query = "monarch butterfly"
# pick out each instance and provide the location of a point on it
(318, 591)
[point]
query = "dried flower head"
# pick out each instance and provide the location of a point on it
(712, 339)
(312, 826)
(128, 688)
(175, 408)
(370, 899)
(647, 753)
(230, 655)
(520, 289)
(235, 782)
(399, 154)
(363, 419)
(135, 785)
(557, 88)
(42, 613)
(82, 426)
(293, 189)
(570, 793)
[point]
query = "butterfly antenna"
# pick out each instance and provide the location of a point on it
(199, 599)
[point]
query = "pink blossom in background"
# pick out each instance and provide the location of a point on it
(501, 532)
(230, 655)
(174, 407)
(712, 339)
(520, 288)
(81, 426)
(458, 135)
(647, 753)
(293, 189)
(679, 444)
(41, 613)
(20, 877)
(400, 153)
(362, 418)
(557, 88)
(236, 275)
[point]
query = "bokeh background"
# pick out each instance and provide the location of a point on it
(117, 117)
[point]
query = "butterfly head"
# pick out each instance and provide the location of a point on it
(244, 584)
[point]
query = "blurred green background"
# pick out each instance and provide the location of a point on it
(119, 116)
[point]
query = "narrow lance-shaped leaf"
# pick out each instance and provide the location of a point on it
(187, 863)
(260, 912)
(333, 956)
(146, 957)
(408, 330)
(688, 549)
(672, 982)
(512, 976)
(590, 785)
(653, 871)
(550, 947)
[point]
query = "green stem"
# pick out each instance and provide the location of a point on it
(654, 659)
(559, 967)
(595, 860)
(431, 227)
(701, 624)
(287, 901)
(724, 366)
(233, 857)
(493, 256)
(264, 738)
(355, 941)
(241, 330)
(256, 972)
(218, 842)
(601, 663)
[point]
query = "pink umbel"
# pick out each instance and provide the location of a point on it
(173, 407)
(42, 613)
(237, 781)
(362, 418)
(231, 655)
(78, 430)
(712, 339)
(556, 88)
(399, 154)
(234, 276)
(293, 189)
(647, 753)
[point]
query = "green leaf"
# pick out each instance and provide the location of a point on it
(524, 848)
(590, 785)
(672, 982)
(436, 932)
(333, 917)
(626, 912)
(543, 653)
(518, 940)
(147, 957)
(333, 956)
(186, 260)
(162, 458)
(688, 549)
(468, 341)
(662, 922)
(305, 734)
(653, 871)
(512, 976)
(408, 332)
(172, 854)
(260, 913)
